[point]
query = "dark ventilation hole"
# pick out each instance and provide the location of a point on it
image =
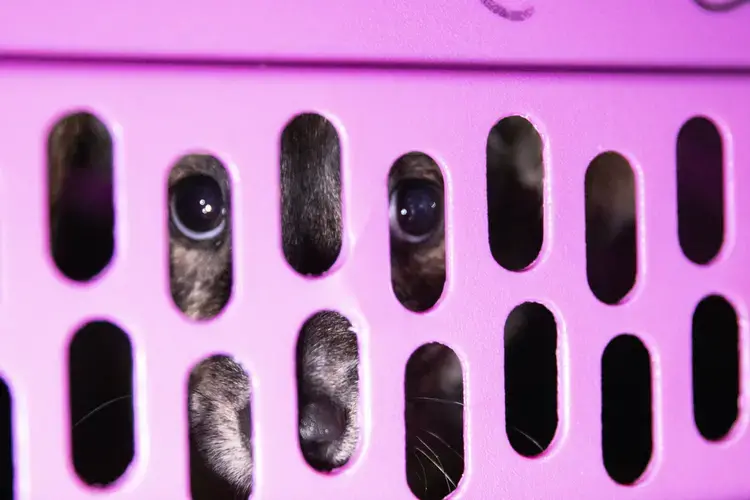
(530, 378)
(311, 220)
(434, 419)
(611, 252)
(515, 187)
(100, 368)
(328, 390)
(219, 389)
(627, 424)
(81, 201)
(200, 236)
(6, 444)
(700, 190)
(417, 231)
(716, 367)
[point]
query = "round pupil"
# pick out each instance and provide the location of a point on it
(418, 210)
(198, 203)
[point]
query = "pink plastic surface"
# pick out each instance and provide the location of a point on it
(579, 32)
(157, 114)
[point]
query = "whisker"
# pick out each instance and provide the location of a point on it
(541, 449)
(436, 400)
(439, 467)
(98, 408)
(424, 480)
(420, 450)
(459, 455)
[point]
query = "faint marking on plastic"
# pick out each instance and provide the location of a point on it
(515, 15)
(718, 5)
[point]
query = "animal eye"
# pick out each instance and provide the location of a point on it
(197, 207)
(416, 210)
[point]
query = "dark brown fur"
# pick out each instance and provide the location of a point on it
(328, 350)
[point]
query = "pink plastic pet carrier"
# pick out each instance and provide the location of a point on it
(393, 76)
